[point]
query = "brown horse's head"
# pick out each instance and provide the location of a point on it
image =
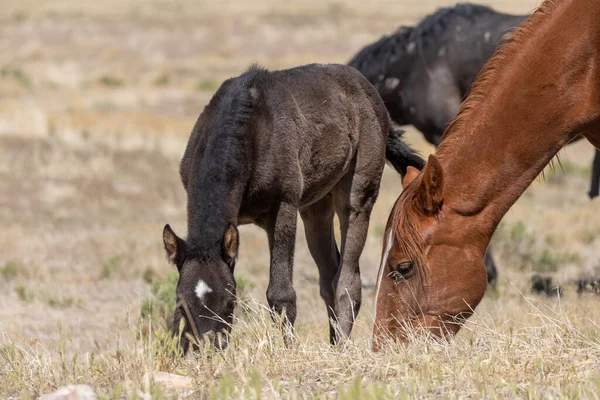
(431, 275)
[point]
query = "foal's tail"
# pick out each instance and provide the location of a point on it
(399, 154)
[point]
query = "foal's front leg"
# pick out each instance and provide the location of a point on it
(354, 201)
(281, 230)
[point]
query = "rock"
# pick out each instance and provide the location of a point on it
(171, 381)
(72, 392)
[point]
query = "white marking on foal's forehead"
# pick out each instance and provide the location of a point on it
(202, 289)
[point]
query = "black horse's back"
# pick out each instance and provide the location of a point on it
(372, 59)
(460, 27)
(443, 55)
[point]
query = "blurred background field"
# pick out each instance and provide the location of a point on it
(97, 100)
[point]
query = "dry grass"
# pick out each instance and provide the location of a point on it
(92, 126)
(536, 350)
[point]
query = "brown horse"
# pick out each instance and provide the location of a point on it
(538, 92)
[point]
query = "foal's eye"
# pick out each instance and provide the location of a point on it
(402, 271)
(231, 307)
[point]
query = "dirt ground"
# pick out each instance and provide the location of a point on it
(97, 100)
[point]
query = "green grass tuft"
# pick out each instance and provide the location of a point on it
(111, 81)
(114, 264)
(158, 310)
(11, 269)
(207, 85)
(16, 74)
(24, 294)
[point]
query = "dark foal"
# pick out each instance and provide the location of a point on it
(313, 140)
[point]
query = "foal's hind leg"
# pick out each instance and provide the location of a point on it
(281, 230)
(354, 200)
(318, 227)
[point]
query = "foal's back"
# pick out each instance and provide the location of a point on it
(309, 125)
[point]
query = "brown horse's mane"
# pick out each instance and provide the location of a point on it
(405, 222)
(489, 75)
(407, 231)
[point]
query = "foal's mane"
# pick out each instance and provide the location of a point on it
(405, 225)
(489, 75)
(224, 162)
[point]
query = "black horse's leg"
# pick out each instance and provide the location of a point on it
(281, 230)
(595, 186)
(318, 228)
(354, 201)
(490, 268)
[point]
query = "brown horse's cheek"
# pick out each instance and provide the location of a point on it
(469, 293)
(383, 313)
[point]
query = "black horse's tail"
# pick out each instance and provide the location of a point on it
(399, 154)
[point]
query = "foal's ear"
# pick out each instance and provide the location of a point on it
(174, 246)
(231, 242)
(430, 194)
(411, 174)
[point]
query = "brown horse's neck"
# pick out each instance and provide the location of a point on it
(532, 98)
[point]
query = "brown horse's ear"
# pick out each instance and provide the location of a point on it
(174, 246)
(430, 194)
(231, 243)
(411, 174)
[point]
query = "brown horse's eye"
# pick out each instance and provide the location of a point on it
(402, 271)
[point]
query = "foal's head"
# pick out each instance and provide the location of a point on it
(206, 288)
(431, 276)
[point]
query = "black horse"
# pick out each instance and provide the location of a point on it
(313, 140)
(424, 72)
